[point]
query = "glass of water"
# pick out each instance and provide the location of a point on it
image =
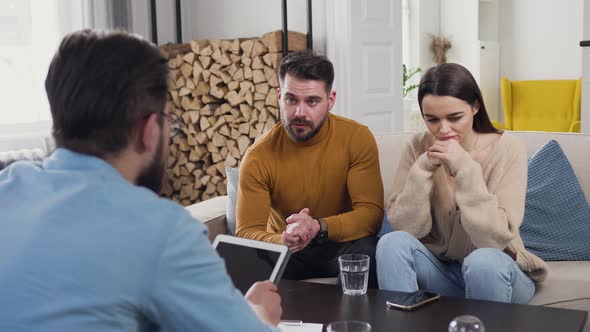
(466, 323)
(349, 326)
(354, 273)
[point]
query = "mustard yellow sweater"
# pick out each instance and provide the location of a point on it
(485, 211)
(335, 174)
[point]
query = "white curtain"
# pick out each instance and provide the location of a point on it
(30, 31)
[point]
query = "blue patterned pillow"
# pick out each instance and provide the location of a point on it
(556, 224)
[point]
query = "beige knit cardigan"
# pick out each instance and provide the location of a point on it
(485, 210)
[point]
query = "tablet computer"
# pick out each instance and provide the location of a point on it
(248, 261)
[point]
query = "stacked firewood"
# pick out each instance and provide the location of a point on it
(225, 94)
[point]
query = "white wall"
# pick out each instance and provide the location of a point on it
(424, 20)
(488, 20)
(429, 25)
(165, 19)
(222, 19)
(540, 39)
(459, 21)
(228, 19)
(30, 33)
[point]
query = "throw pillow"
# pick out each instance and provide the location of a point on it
(232, 174)
(556, 224)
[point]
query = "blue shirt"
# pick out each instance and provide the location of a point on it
(82, 249)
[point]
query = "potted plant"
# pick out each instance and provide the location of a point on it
(407, 75)
(412, 115)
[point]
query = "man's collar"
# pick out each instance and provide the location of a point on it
(65, 159)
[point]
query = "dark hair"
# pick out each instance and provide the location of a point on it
(454, 80)
(307, 65)
(99, 85)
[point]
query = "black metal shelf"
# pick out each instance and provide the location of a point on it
(286, 31)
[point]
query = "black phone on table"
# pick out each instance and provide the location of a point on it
(411, 301)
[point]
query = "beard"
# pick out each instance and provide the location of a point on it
(152, 176)
(300, 135)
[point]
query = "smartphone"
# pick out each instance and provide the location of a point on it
(411, 301)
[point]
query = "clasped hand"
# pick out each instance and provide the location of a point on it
(446, 152)
(301, 229)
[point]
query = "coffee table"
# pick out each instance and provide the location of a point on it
(319, 303)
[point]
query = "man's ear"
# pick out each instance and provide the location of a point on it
(331, 99)
(279, 94)
(149, 134)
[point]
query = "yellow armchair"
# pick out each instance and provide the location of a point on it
(543, 105)
(498, 125)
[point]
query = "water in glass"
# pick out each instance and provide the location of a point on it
(354, 273)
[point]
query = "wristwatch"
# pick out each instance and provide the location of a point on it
(322, 236)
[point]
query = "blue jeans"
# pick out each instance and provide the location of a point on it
(405, 264)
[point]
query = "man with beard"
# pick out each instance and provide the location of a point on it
(86, 244)
(312, 182)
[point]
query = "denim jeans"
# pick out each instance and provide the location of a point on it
(405, 264)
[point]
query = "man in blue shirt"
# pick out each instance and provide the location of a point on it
(85, 243)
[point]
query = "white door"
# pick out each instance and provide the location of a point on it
(364, 42)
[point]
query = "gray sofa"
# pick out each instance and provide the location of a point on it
(25, 142)
(568, 284)
(37, 153)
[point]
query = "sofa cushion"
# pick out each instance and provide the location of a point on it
(556, 223)
(208, 209)
(232, 194)
(216, 226)
(568, 283)
(8, 157)
(567, 286)
(574, 145)
(211, 212)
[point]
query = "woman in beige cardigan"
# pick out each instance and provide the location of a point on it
(458, 201)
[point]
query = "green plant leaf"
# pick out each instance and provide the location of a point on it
(406, 76)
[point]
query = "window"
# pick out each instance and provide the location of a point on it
(28, 37)
(30, 32)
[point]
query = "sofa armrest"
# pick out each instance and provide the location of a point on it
(575, 127)
(212, 214)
